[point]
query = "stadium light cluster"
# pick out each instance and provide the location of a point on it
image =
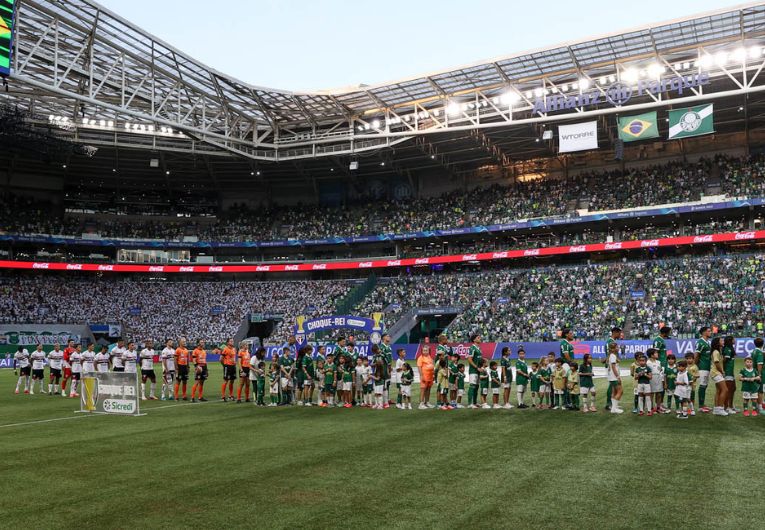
(102, 124)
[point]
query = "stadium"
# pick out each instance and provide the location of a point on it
(226, 304)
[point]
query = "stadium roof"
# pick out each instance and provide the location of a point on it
(107, 83)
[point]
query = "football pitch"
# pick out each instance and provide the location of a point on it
(219, 465)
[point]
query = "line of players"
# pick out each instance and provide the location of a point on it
(347, 379)
(67, 367)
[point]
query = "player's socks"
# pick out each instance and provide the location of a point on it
(649, 403)
(184, 389)
(177, 386)
(637, 399)
(153, 387)
(702, 395)
(223, 391)
(614, 404)
(385, 396)
(608, 395)
(519, 394)
(398, 397)
(18, 383)
(143, 390)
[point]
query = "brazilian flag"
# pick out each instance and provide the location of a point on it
(640, 127)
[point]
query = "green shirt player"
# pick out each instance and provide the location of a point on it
(660, 344)
(703, 359)
(287, 372)
(670, 375)
(474, 362)
(566, 348)
(521, 377)
(387, 352)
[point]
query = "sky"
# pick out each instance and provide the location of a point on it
(323, 44)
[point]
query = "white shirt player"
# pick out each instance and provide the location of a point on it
(117, 357)
(88, 361)
(168, 358)
(130, 357)
(102, 362)
(56, 359)
(75, 359)
(147, 359)
(38, 360)
(21, 358)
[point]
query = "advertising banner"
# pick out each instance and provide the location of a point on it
(110, 393)
(373, 326)
(578, 137)
(535, 350)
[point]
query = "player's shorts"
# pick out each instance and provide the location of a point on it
(585, 390)
(308, 382)
(730, 378)
(26, 371)
(76, 376)
(473, 379)
(55, 372)
(406, 390)
(657, 386)
(544, 389)
(169, 376)
(425, 384)
(718, 378)
(644, 388)
(507, 385)
(183, 373)
(703, 378)
(521, 388)
(202, 374)
(444, 390)
(149, 374)
(274, 390)
(452, 386)
(749, 395)
(495, 391)
(118, 369)
(347, 386)
(285, 382)
(379, 389)
(484, 391)
(38, 374)
(329, 389)
(683, 392)
(244, 372)
(559, 392)
(229, 372)
(460, 392)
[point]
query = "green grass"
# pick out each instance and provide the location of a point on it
(233, 465)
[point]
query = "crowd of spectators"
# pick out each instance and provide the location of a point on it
(672, 182)
(161, 310)
(505, 304)
(534, 304)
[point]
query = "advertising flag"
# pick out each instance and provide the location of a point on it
(578, 137)
(691, 121)
(640, 127)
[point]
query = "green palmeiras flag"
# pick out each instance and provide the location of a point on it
(640, 127)
(691, 121)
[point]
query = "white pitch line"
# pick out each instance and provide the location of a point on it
(42, 421)
(90, 415)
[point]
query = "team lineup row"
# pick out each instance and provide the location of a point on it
(347, 378)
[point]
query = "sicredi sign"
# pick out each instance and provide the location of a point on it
(619, 94)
